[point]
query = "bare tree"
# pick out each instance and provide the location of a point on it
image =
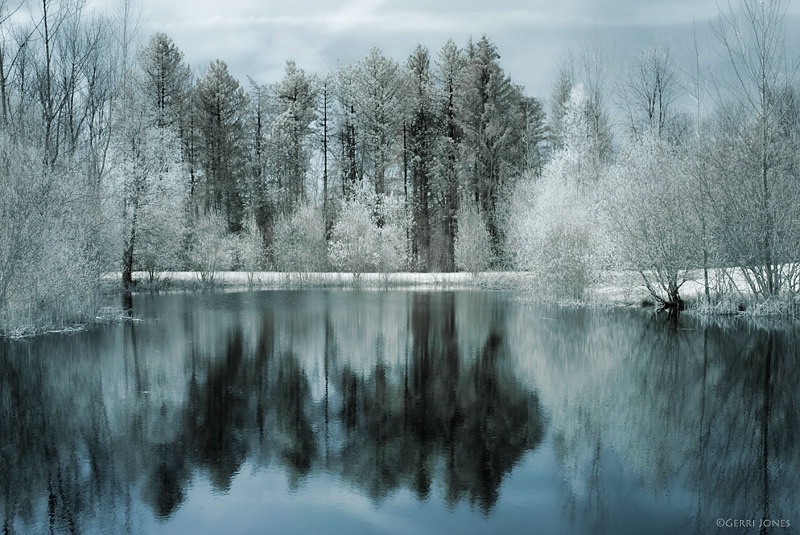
(653, 226)
(757, 198)
(650, 89)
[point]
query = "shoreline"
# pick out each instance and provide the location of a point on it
(266, 280)
(616, 290)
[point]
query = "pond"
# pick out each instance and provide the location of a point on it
(357, 411)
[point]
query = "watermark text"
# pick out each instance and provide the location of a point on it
(753, 523)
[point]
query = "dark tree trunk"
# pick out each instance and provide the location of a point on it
(127, 256)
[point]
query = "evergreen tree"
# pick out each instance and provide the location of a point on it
(348, 134)
(290, 135)
(262, 194)
(379, 85)
(450, 66)
(562, 87)
(420, 136)
(493, 126)
(534, 137)
(221, 108)
(165, 79)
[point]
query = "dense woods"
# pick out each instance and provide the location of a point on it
(117, 156)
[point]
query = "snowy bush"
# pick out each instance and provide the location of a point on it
(49, 273)
(472, 248)
(298, 242)
(211, 246)
(553, 228)
(359, 245)
(247, 252)
(655, 228)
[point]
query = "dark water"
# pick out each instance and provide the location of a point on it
(398, 412)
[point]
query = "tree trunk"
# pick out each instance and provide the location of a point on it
(127, 255)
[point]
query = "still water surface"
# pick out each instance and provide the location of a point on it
(398, 412)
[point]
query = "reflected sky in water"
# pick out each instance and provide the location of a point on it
(397, 412)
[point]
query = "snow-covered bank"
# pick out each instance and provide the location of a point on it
(272, 279)
(729, 292)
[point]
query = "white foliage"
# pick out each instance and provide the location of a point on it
(577, 131)
(248, 246)
(358, 244)
(211, 246)
(163, 222)
(553, 227)
(654, 226)
(146, 188)
(48, 266)
(472, 248)
(299, 241)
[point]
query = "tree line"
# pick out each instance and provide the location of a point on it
(117, 156)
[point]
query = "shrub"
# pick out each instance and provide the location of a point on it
(49, 270)
(358, 244)
(553, 229)
(211, 247)
(472, 248)
(298, 242)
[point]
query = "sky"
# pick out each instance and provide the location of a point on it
(256, 37)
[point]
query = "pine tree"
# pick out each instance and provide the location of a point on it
(348, 134)
(378, 105)
(165, 80)
(221, 107)
(493, 126)
(450, 67)
(421, 135)
(290, 134)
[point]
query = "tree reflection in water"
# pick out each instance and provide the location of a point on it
(438, 394)
(704, 414)
(371, 388)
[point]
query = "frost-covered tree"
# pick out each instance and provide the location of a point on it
(378, 105)
(299, 241)
(552, 224)
(562, 87)
(650, 90)
(263, 197)
(369, 122)
(655, 228)
(535, 136)
(756, 191)
(359, 244)
(348, 136)
(473, 244)
(579, 136)
(553, 228)
(221, 109)
(162, 219)
(447, 178)
(145, 190)
(586, 65)
(420, 136)
(165, 80)
(289, 140)
(493, 123)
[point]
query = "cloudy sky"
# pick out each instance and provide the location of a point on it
(256, 37)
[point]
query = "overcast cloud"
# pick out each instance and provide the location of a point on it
(255, 38)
